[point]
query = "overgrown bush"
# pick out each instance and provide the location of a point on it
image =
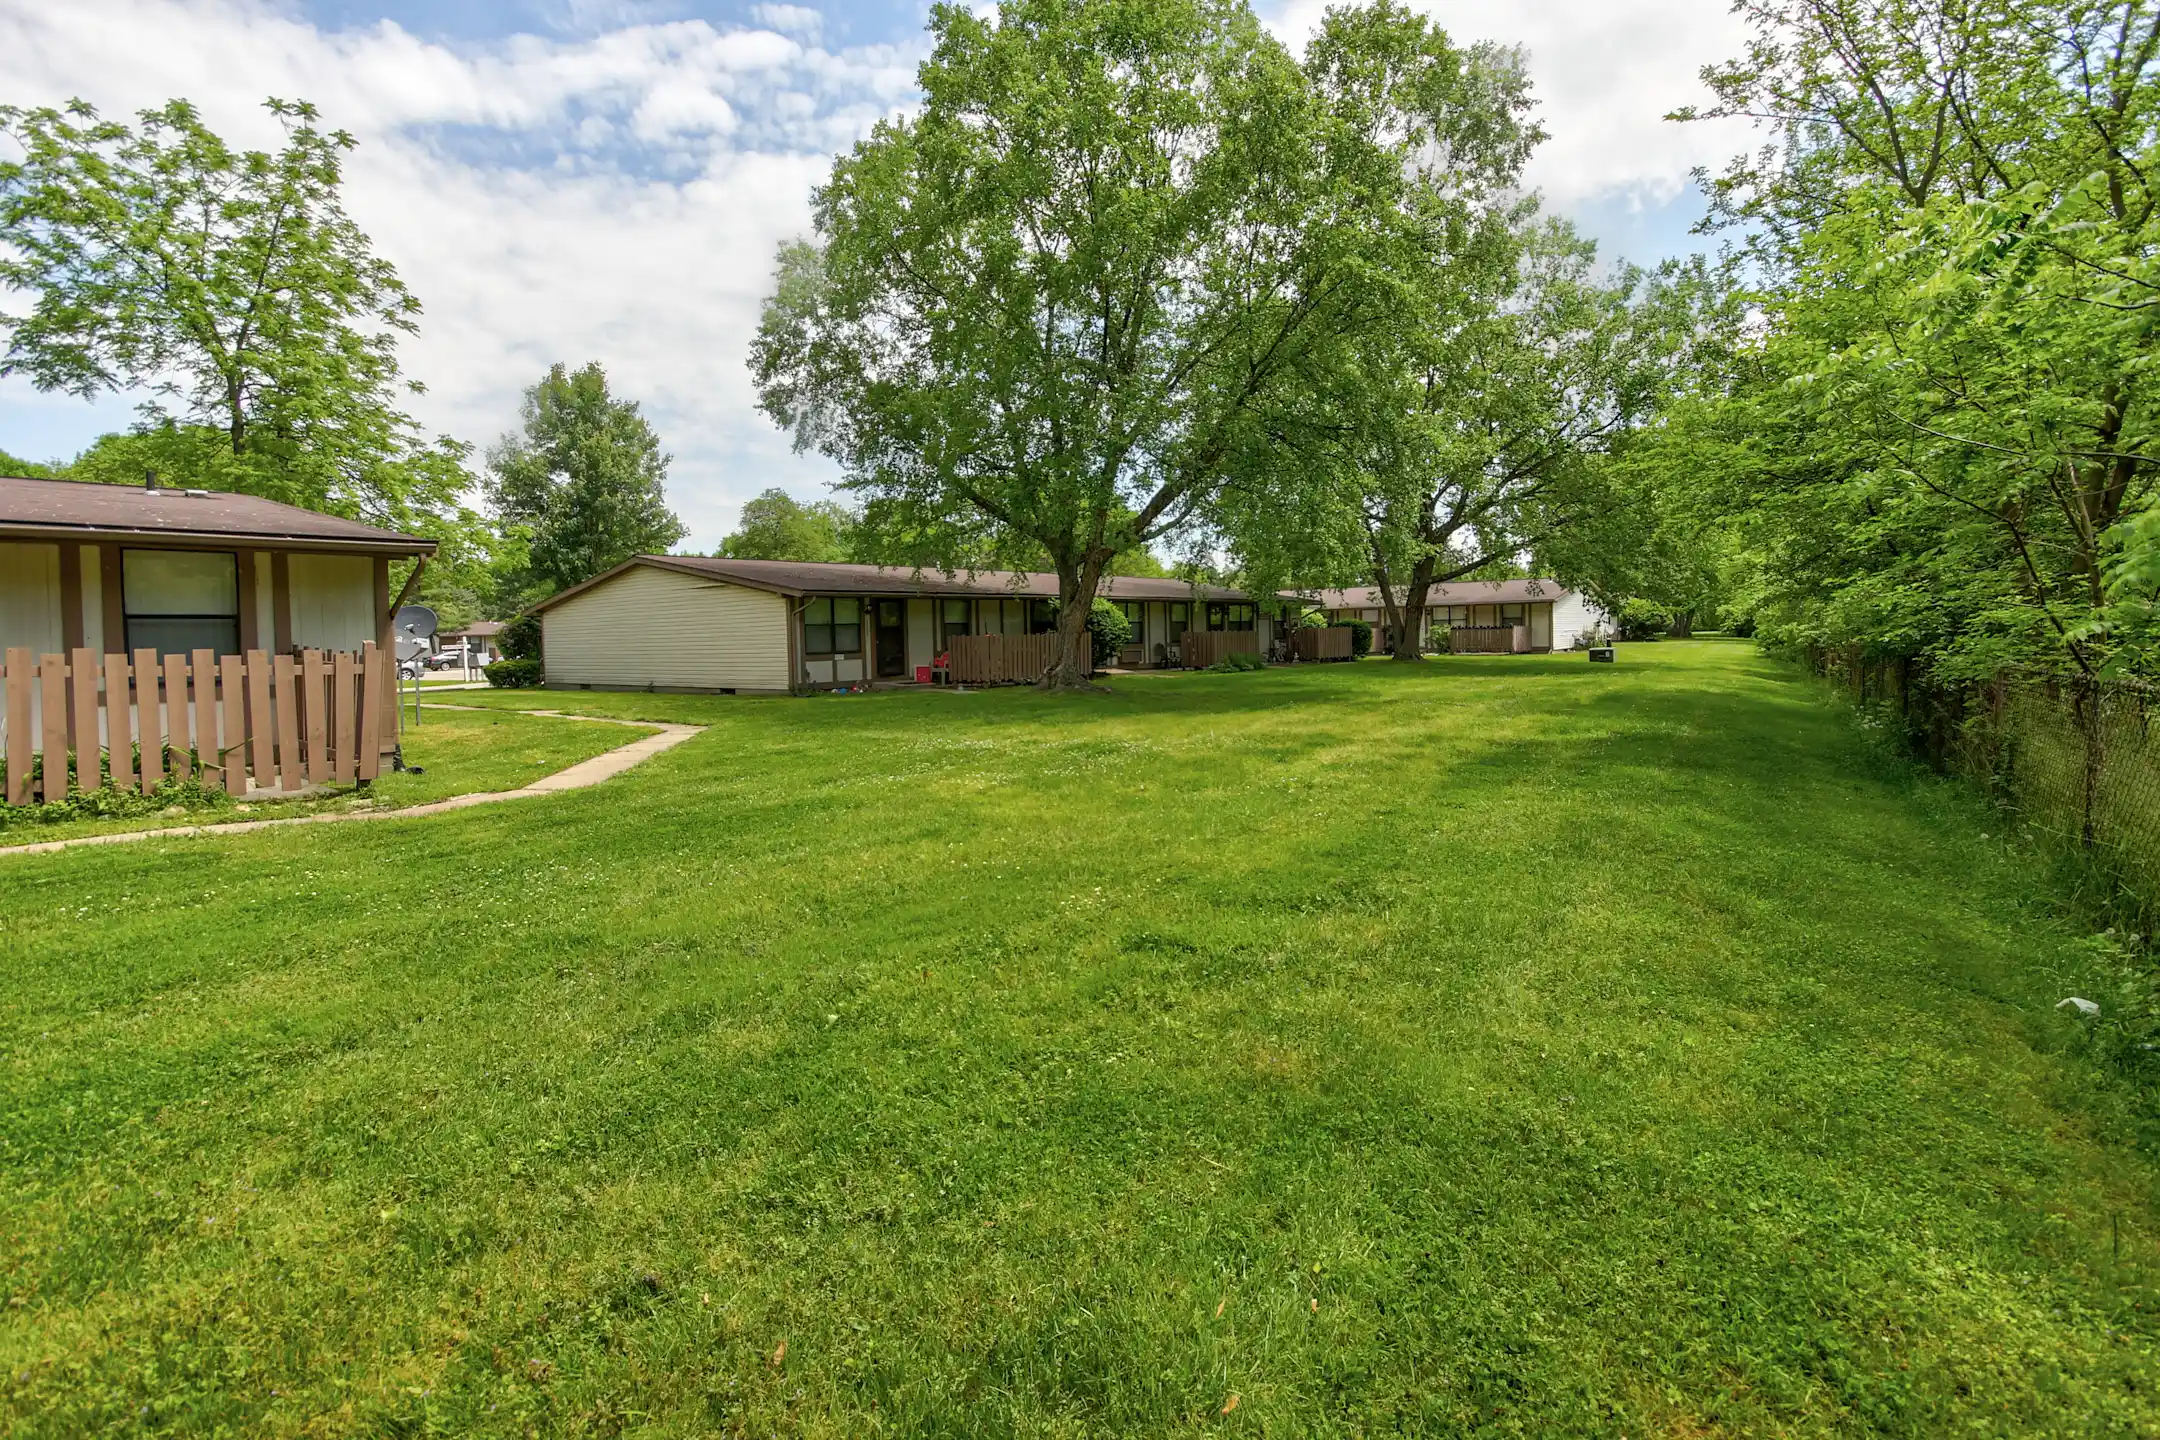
(110, 802)
(1108, 630)
(1234, 663)
(1641, 619)
(1360, 637)
(513, 674)
(520, 638)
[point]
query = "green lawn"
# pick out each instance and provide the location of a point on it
(452, 752)
(1509, 1046)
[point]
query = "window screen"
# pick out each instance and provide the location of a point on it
(832, 627)
(953, 620)
(1135, 616)
(177, 601)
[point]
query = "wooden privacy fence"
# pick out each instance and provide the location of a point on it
(1315, 643)
(1002, 659)
(1199, 649)
(237, 723)
(1488, 639)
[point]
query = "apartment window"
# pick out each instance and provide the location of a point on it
(1180, 620)
(952, 620)
(1041, 616)
(178, 601)
(1229, 617)
(1455, 615)
(1514, 614)
(832, 627)
(1136, 617)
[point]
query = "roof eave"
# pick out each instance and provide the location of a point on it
(389, 545)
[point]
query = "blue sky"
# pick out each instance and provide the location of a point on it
(607, 179)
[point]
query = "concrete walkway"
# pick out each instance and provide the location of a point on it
(577, 777)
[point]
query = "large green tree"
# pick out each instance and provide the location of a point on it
(230, 288)
(777, 526)
(582, 481)
(1479, 429)
(1044, 312)
(1943, 447)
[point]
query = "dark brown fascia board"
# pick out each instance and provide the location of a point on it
(1209, 593)
(187, 539)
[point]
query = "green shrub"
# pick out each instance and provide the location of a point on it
(1244, 661)
(1107, 627)
(520, 639)
(1360, 637)
(513, 674)
(1643, 620)
(110, 802)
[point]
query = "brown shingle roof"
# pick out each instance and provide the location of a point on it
(52, 509)
(1462, 592)
(811, 577)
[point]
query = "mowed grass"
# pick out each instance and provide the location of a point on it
(1506, 1046)
(453, 751)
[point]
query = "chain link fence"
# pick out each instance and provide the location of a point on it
(2074, 759)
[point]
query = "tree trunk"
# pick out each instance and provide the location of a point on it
(1074, 666)
(1413, 612)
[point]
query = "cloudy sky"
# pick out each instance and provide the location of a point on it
(607, 179)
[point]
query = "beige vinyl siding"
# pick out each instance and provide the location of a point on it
(921, 635)
(332, 601)
(30, 597)
(1541, 626)
(661, 628)
(93, 596)
(264, 599)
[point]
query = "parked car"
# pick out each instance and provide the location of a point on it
(445, 660)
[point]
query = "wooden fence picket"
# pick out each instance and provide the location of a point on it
(202, 665)
(179, 762)
(20, 667)
(314, 714)
(237, 723)
(1198, 649)
(83, 717)
(150, 707)
(285, 684)
(119, 732)
(262, 737)
(344, 674)
(52, 673)
(232, 736)
(1002, 659)
(374, 671)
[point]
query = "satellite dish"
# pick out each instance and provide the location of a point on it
(414, 629)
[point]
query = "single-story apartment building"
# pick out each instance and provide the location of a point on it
(116, 568)
(681, 622)
(478, 643)
(1553, 616)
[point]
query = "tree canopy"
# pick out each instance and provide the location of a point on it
(1941, 445)
(1046, 311)
(582, 482)
(777, 526)
(231, 289)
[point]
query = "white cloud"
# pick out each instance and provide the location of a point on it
(619, 196)
(790, 19)
(1605, 73)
